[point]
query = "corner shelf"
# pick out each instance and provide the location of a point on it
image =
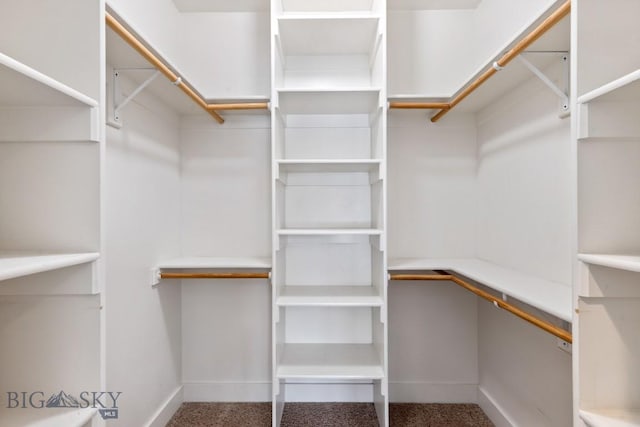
(551, 297)
(330, 361)
(329, 232)
(46, 417)
(328, 165)
(611, 418)
(329, 296)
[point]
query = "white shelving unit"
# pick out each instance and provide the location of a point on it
(607, 354)
(329, 198)
(51, 142)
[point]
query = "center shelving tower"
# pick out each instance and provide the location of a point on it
(329, 130)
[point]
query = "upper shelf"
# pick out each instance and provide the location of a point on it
(431, 4)
(328, 165)
(551, 297)
(620, 262)
(344, 34)
(22, 86)
(14, 265)
(625, 88)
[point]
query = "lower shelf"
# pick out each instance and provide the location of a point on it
(329, 296)
(330, 361)
(611, 418)
(46, 417)
(18, 264)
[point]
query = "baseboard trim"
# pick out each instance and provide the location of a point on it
(166, 410)
(430, 392)
(493, 409)
(222, 391)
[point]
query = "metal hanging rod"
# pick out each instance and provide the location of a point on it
(536, 321)
(178, 81)
(234, 275)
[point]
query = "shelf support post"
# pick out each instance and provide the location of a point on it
(562, 94)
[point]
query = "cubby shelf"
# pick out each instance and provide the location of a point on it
(348, 100)
(621, 262)
(330, 361)
(46, 417)
(332, 296)
(611, 418)
(328, 165)
(18, 264)
(551, 297)
(329, 232)
(320, 34)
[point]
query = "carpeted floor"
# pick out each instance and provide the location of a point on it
(329, 415)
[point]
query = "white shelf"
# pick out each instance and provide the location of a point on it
(624, 88)
(328, 165)
(187, 263)
(341, 6)
(22, 86)
(329, 232)
(332, 296)
(329, 361)
(551, 297)
(355, 100)
(431, 4)
(46, 417)
(611, 418)
(18, 264)
(222, 5)
(621, 262)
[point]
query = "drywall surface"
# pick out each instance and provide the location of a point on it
(524, 183)
(432, 186)
(143, 343)
(226, 324)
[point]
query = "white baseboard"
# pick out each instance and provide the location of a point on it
(220, 391)
(494, 411)
(166, 410)
(429, 392)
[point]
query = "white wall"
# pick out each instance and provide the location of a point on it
(524, 223)
(225, 191)
(143, 324)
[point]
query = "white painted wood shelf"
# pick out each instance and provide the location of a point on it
(329, 361)
(328, 165)
(329, 296)
(329, 232)
(347, 100)
(321, 6)
(624, 88)
(551, 297)
(46, 417)
(22, 86)
(611, 418)
(235, 263)
(18, 264)
(620, 262)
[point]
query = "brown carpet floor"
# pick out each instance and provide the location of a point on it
(329, 415)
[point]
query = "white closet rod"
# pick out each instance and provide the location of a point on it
(212, 109)
(536, 321)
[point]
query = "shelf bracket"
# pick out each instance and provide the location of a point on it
(118, 106)
(563, 93)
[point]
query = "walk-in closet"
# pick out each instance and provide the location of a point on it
(319, 212)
